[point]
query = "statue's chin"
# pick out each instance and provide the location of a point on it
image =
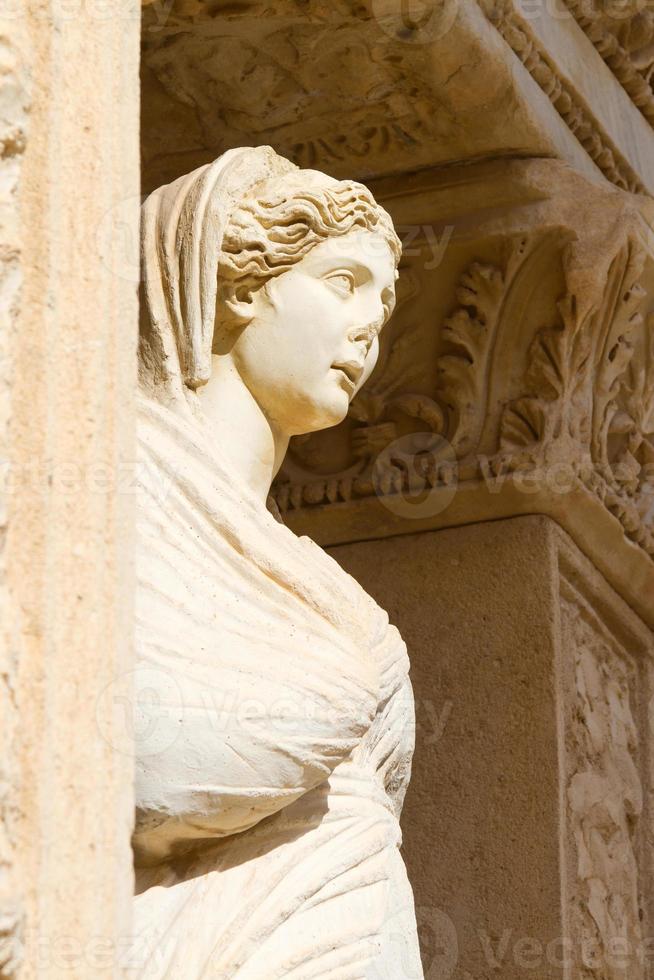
(327, 416)
(318, 413)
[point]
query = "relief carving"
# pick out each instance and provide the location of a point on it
(624, 36)
(469, 335)
(509, 394)
(412, 80)
(311, 60)
(565, 100)
(588, 403)
(604, 802)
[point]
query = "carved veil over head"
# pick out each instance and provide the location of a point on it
(220, 233)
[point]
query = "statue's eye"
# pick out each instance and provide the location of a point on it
(342, 282)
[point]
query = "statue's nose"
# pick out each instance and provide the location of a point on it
(359, 334)
(365, 334)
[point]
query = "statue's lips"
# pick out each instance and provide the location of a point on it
(351, 371)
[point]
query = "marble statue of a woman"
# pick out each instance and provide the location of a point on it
(268, 799)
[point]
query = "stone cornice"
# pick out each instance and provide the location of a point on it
(543, 69)
(353, 93)
(633, 70)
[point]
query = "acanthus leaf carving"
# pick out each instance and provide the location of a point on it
(551, 422)
(622, 318)
(468, 333)
(638, 424)
(585, 405)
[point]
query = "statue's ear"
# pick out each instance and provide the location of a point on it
(236, 307)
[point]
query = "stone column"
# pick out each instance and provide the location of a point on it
(70, 185)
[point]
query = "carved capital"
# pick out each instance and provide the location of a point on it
(588, 403)
(516, 377)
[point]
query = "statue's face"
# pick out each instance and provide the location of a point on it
(313, 340)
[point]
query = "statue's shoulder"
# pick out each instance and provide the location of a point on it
(369, 613)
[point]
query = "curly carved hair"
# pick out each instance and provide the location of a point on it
(285, 218)
(216, 236)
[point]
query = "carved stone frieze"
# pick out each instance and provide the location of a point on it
(572, 109)
(367, 88)
(624, 36)
(604, 796)
(322, 81)
(588, 408)
(522, 366)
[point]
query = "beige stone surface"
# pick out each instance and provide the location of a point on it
(527, 819)
(70, 157)
(12, 135)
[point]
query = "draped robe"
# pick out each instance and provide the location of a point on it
(280, 731)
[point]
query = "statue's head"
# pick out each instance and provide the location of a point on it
(288, 273)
